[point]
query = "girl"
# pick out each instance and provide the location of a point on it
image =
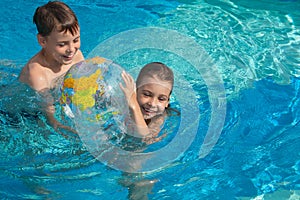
(149, 98)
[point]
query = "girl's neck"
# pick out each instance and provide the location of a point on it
(147, 121)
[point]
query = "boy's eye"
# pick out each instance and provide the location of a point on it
(61, 44)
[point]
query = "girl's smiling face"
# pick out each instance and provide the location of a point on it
(153, 97)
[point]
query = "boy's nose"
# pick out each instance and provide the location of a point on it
(71, 48)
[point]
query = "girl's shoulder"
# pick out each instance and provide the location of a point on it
(172, 112)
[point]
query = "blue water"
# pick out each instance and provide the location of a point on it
(255, 47)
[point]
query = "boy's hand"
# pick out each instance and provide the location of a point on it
(57, 125)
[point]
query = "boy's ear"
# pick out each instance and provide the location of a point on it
(41, 40)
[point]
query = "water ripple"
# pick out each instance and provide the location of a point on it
(248, 44)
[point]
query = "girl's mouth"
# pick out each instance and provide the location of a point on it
(148, 111)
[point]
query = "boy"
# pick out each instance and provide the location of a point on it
(59, 37)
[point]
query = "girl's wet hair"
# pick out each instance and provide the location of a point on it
(156, 70)
(55, 15)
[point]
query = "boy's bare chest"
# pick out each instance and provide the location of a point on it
(56, 78)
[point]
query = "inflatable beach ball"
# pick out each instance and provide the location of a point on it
(91, 96)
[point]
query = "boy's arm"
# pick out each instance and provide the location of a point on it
(37, 80)
(49, 109)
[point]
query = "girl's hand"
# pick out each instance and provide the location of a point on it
(129, 89)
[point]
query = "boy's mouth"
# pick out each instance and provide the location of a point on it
(68, 57)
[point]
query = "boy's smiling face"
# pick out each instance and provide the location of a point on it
(60, 47)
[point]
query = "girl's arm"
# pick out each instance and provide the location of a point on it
(129, 91)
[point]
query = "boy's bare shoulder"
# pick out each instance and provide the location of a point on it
(79, 57)
(34, 75)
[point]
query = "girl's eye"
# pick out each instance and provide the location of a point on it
(162, 99)
(76, 40)
(147, 94)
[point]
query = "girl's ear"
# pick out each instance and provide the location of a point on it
(41, 40)
(168, 103)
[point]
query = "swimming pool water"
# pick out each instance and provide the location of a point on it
(255, 48)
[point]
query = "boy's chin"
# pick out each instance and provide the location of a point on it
(66, 61)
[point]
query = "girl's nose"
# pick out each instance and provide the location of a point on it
(152, 102)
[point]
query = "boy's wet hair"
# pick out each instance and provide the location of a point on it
(156, 70)
(55, 15)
